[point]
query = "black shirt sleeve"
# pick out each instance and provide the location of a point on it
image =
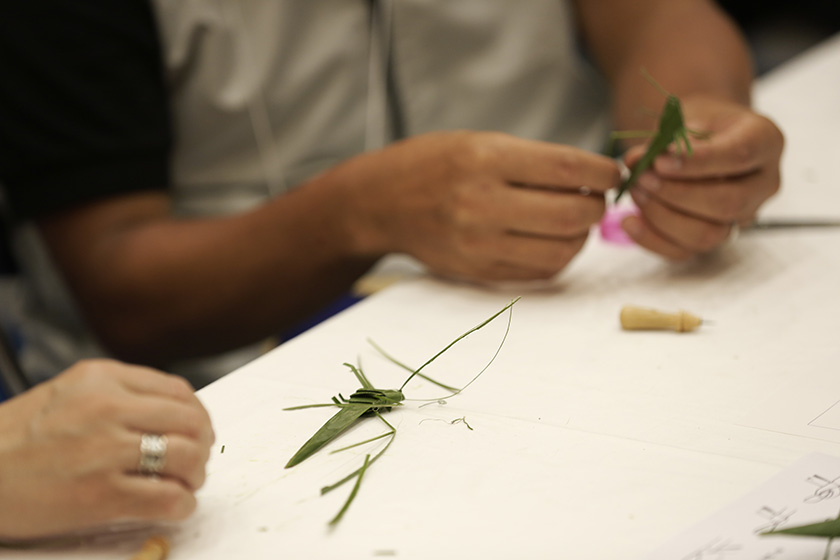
(83, 106)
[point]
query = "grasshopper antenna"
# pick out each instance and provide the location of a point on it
(654, 83)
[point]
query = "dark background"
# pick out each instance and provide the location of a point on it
(778, 30)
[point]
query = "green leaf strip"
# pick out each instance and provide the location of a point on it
(392, 433)
(451, 344)
(830, 528)
(353, 492)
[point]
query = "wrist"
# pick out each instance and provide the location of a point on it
(357, 212)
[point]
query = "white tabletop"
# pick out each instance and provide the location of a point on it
(587, 442)
(803, 97)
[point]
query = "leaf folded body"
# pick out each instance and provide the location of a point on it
(377, 397)
(340, 421)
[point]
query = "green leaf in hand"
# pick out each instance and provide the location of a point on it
(671, 130)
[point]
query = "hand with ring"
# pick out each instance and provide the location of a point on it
(102, 442)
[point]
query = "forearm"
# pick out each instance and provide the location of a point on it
(689, 46)
(157, 288)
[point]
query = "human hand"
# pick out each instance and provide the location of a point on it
(70, 450)
(689, 204)
(478, 206)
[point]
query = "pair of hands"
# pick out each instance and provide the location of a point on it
(492, 207)
(70, 449)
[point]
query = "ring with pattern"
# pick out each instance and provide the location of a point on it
(152, 453)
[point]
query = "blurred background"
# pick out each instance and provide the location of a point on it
(780, 29)
(777, 31)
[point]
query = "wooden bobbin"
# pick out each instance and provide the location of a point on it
(642, 318)
(155, 548)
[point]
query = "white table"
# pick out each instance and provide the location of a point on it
(588, 442)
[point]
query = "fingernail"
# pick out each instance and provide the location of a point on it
(649, 181)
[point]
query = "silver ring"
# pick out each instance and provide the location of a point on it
(152, 454)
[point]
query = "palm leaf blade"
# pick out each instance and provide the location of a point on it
(340, 421)
(830, 528)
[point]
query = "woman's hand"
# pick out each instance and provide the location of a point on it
(70, 450)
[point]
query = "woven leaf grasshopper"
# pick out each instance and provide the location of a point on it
(369, 401)
(671, 130)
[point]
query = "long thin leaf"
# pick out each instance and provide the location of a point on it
(353, 492)
(487, 365)
(360, 375)
(395, 361)
(830, 528)
(319, 405)
(363, 442)
(392, 433)
(451, 344)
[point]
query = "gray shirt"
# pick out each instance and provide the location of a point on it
(267, 93)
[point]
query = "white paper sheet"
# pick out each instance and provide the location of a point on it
(806, 492)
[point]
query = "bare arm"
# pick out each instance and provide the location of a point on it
(690, 46)
(157, 288)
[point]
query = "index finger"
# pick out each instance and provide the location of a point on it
(724, 154)
(552, 165)
(161, 416)
(150, 381)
